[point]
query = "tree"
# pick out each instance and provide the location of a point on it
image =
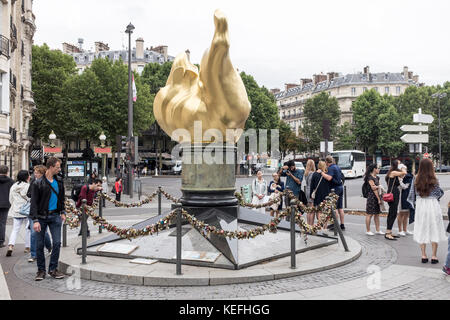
(389, 131)
(264, 114)
(345, 139)
(50, 69)
(316, 109)
(366, 109)
(155, 75)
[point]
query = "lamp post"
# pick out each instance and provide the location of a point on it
(102, 140)
(439, 96)
(52, 138)
(129, 30)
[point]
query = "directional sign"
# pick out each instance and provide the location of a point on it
(414, 128)
(103, 150)
(423, 118)
(415, 138)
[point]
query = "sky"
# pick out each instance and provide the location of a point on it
(277, 42)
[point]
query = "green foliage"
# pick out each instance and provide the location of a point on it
(345, 139)
(50, 69)
(388, 124)
(316, 109)
(155, 75)
(264, 114)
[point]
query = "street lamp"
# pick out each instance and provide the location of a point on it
(52, 137)
(439, 96)
(102, 140)
(129, 30)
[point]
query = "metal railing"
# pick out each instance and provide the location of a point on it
(4, 46)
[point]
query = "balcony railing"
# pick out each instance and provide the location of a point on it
(4, 46)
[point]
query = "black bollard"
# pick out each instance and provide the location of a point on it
(83, 232)
(337, 228)
(345, 197)
(100, 213)
(179, 241)
(159, 200)
(64, 235)
(293, 210)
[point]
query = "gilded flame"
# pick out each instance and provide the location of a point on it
(216, 95)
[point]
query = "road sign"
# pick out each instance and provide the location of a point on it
(423, 118)
(103, 150)
(330, 146)
(414, 128)
(415, 138)
(52, 150)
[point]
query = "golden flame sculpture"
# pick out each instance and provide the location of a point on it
(216, 95)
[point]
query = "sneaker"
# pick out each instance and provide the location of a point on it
(342, 227)
(56, 274)
(446, 270)
(9, 252)
(402, 233)
(379, 232)
(40, 275)
(409, 232)
(31, 260)
(370, 233)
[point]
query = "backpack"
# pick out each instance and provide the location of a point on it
(76, 190)
(365, 189)
(342, 177)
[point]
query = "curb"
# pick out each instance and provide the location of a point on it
(122, 272)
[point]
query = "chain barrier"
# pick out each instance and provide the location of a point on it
(73, 219)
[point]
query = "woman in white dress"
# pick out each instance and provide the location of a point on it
(259, 189)
(428, 224)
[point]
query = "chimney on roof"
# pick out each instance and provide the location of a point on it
(303, 82)
(288, 86)
(331, 76)
(139, 48)
(80, 44)
(366, 70)
(405, 73)
(100, 46)
(188, 53)
(416, 78)
(275, 91)
(319, 78)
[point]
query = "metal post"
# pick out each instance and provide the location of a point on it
(345, 196)
(293, 209)
(338, 228)
(440, 154)
(100, 213)
(83, 232)
(159, 200)
(179, 241)
(130, 29)
(64, 235)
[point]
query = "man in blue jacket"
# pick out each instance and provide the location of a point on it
(294, 177)
(334, 176)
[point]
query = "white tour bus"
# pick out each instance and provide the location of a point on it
(351, 162)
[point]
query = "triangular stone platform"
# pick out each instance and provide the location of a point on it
(234, 254)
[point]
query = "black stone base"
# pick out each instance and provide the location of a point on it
(208, 198)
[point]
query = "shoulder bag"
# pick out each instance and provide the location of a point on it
(313, 194)
(389, 196)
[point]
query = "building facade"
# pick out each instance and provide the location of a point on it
(139, 56)
(345, 89)
(17, 28)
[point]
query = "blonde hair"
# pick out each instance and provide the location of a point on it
(310, 167)
(322, 166)
(40, 169)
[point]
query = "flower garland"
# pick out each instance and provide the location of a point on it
(170, 197)
(242, 203)
(325, 208)
(130, 205)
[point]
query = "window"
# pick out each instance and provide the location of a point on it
(364, 89)
(353, 91)
(386, 90)
(399, 90)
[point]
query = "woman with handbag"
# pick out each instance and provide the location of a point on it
(392, 197)
(18, 199)
(424, 196)
(320, 187)
(373, 199)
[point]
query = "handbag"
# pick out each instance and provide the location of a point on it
(389, 196)
(313, 194)
(25, 209)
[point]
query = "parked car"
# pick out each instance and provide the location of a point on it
(385, 169)
(444, 168)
